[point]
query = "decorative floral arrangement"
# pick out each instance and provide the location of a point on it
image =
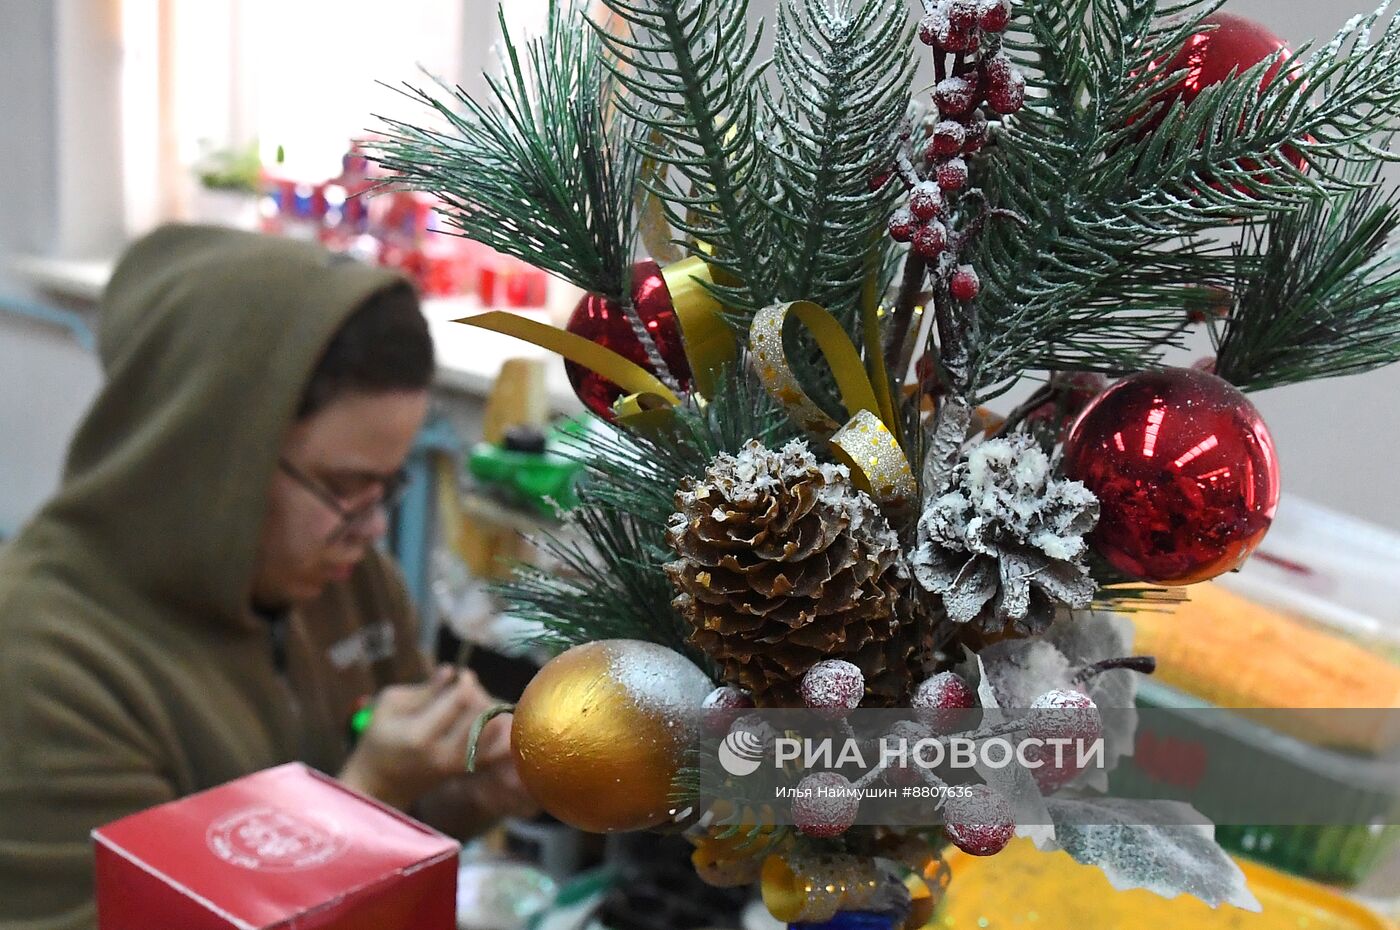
(802, 498)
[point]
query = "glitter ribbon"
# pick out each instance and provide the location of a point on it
(865, 442)
(622, 371)
(646, 405)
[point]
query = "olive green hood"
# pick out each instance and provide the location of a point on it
(207, 339)
(133, 669)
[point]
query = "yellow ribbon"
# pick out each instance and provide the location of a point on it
(766, 343)
(709, 342)
(646, 403)
(865, 442)
(620, 370)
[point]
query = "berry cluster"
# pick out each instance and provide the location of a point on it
(972, 72)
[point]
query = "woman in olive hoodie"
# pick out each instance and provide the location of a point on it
(201, 599)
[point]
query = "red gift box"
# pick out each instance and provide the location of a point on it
(284, 848)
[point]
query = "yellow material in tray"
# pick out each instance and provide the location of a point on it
(1025, 888)
(1234, 653)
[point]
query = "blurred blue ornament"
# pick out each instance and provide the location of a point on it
(853, 920)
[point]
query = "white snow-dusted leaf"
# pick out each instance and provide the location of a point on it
(1166, 847)
(1022, 670)
(986, 692)
(1013, 782)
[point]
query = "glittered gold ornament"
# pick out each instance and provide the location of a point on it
(601, 730)
(812, 888)
(732, 853)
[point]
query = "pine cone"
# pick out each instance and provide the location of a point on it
(782, 563)
(1005, 546)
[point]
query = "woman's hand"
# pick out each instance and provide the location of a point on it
(418, 738)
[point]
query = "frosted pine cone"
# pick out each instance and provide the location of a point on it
(1006, 545)
(783, 563)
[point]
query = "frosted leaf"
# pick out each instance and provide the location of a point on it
(1007, 523)
(1022, 670)
(1165, 847)
(1015, 783)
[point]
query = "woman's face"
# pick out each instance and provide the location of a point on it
(336, 462)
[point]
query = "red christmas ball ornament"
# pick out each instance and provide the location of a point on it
(602, 321)
(1235, 45)
(1211, 56)
(1185, 471)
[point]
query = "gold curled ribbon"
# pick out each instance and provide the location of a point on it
(620, 370)
(865, 442)
(878, 465)
(709, 342)
(766, 342)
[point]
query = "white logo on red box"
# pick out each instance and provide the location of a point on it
(269, 839)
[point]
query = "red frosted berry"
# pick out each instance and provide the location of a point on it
(976, 133)
(928, 28)
(942, 700)
(979, 822)
(1065, 714)
(931, 240)
(926, 201)
(1061, 715)
(994, 15)
(722, 707)
(948, 138)
(1010, 97)
(952, 174)
(903, 225)
(958, 40)
(997, 71)
(879, 180)
(833, 687)
(955, 96)
(965, 285)
(963, 14)
(903, 775)
(825, 805)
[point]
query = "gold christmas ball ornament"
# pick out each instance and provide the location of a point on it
(811, 888)
(601, 731)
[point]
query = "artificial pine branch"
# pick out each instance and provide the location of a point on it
(540, 169)
(843, 73)
(1120, 186)
(1322, 296)
(687, 73)
(607, 583)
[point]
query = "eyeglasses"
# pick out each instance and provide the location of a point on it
(391, 488)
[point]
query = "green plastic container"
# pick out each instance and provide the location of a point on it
(1247, 766)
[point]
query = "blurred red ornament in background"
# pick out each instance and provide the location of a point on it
(1185, 472)
(604, 322)
(1235, 45)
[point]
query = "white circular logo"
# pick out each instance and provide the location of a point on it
(741, 752)
(269, 839)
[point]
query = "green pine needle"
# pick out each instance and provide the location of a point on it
(1322, 297)
(1117, 212)
(542, 169)
(686, 70)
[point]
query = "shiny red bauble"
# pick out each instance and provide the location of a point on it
(603, 321)
(1185, 472)
(1235, 45)
(1210, 57)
